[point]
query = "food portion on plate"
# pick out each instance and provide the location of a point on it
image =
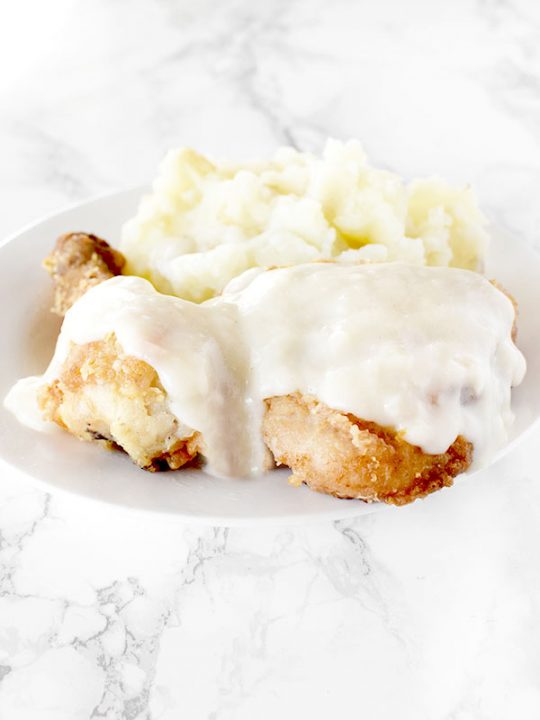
(207, 222)
(344, 330)
(376, 381)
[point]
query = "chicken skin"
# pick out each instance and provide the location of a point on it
(78, 262)
(341, 455)
(105, 396)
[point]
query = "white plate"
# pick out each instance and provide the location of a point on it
(59, 462)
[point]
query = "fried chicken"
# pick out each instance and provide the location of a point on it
(78, 262)
(102, 395)
(339, 454)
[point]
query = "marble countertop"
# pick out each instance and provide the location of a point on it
(427, 613)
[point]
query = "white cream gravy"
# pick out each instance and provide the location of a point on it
(424, 350)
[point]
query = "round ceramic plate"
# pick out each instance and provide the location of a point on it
(60, 462)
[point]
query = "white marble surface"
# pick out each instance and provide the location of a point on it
(427, 613)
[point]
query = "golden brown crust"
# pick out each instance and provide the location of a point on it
(336, 453)
(78, 262)
(105, 396)
(116, 400)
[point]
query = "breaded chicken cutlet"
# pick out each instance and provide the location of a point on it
(78, 262)
(338, 454)
(103, 395)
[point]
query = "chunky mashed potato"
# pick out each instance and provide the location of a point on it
(205, 223)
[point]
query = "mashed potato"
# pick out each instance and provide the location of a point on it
(205, 223)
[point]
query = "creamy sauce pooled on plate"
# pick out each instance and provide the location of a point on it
(426, 351)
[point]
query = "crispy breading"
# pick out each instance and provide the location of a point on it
(78, 262)
(339, 454)
(105, 396)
